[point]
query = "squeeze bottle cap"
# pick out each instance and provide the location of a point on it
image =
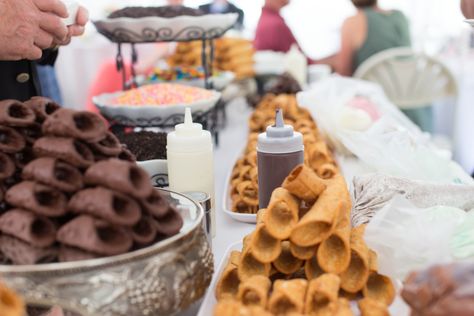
(189, 137)
(280, 138)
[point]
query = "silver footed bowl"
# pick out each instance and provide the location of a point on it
(162, 279)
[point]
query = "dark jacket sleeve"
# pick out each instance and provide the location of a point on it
(49, 57)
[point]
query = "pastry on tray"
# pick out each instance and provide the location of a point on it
(304, 258)
(67, 192)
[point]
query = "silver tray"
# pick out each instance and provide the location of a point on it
(162, 279)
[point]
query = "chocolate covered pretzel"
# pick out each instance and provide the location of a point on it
(94, 235)
(68, 149)
(155, 204)
(21, 253)
(54, 173)
(11, 141)
(170, 224)
(144, 232)
(7, 166)
(126, 155)
(68, 254)
(86, 126)
(38, 231)
(113, 207)
(43, 107)
(38, 198)
(15, 113)
(121, 176)
(109, 146)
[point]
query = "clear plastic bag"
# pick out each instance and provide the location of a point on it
(407, 238)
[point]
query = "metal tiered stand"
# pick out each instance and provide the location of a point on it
(166, 33)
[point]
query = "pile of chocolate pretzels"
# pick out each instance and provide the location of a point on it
(69, 190)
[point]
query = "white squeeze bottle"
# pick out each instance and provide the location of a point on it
(191, 161)
(297, 65)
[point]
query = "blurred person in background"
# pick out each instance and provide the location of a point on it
(272, 31)
(467, 8)
(370, 31)
(30, 32)
(224, 6)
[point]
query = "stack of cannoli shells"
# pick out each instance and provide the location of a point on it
(79, 195)
(304, 258)
(244, 178)
(10, 303)
(230, 54)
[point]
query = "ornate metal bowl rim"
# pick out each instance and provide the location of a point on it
(124, 258)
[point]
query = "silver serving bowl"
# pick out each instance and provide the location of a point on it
(162, 279)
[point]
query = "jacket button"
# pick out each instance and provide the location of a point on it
(23, 77)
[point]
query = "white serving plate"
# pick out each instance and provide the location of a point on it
(227, 205)
(149, 115)
(160, 29)
(398, 308)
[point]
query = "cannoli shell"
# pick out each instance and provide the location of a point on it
(155, 204)
(370, 307)
(37, 198)
(303, 183)
(230, 307)
(327, 171)
(93, 235)
(248, 191)
(249, 265)
(38, 231)
(120, 176)
(10, 304)
(15, 113)
(70, 150)
(109, 146)
(380, 288)
(288, 296)
(254, 291)
(31, 133)
(322, 291)
(144, 232)
(282, 214)
(54, 173)
(334, 253)
(355, 277)
(265, 248)
(303, 253)
(286, 263)
(21, 253)
(235, 258)
(113, 207)
(320, 221)
(170, 224)
(11, 141)
(319, 155)
(7, 166)
(343, 308)
(229, 281)
(86, 126)
(43, 107)
(312, 269)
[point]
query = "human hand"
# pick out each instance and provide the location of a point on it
(29, 26)
(467, 8)
(77, 29)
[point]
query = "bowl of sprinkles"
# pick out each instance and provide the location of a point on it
(155, 105)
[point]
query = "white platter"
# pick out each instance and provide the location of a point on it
(398, 308)
(160, 29)
(220, 82)
(227, 205)
(150, 115)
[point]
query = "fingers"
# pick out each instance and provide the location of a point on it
(43, 39)
(53, 6)
(76, 30)
(33, 53)
(53, 25)
(82, 16)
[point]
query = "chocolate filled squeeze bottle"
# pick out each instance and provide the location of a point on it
(279, 150)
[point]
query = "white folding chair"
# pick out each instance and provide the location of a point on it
(410, 80)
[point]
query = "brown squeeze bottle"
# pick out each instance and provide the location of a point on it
(279, 150)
